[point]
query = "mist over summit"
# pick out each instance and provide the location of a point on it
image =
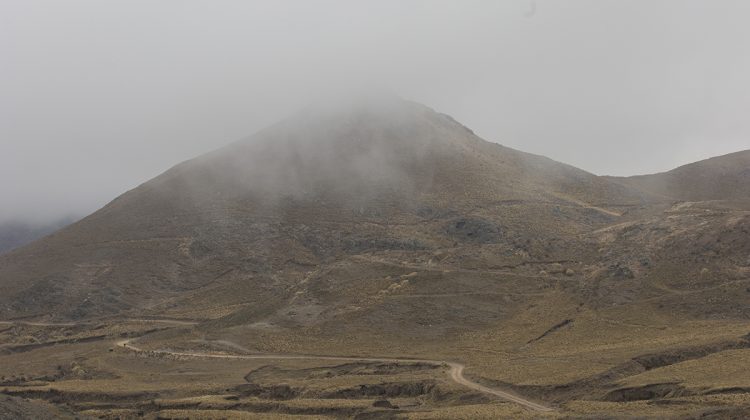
(396, 233)
(311, 177)
(374, 210)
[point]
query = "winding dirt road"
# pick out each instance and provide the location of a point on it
(456, 372)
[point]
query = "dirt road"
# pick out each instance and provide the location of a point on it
(456, 372)
(175, 322)
(39, 324)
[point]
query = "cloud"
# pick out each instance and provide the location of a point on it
(101, 96)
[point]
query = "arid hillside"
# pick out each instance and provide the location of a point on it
(386, 176)
(720, 178)
(382, 261)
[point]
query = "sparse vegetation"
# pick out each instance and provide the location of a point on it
(590, 295)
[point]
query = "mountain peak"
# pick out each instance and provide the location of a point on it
(353, 146)
(356, 101)
(321, 184)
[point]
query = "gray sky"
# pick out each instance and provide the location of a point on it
(98, 96)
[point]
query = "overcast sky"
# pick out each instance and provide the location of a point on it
(98, 96)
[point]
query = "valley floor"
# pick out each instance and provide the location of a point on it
(168, 368)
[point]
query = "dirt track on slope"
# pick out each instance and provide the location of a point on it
(455, 372)
(176, 322)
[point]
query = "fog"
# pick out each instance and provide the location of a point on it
(100, 96)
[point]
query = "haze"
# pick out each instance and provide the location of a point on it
(98, 97)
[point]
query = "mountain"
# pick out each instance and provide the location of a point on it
(385, 176)
(329, 264)
(17, 233)
(719, 178)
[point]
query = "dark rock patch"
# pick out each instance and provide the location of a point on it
(645, 393)
(383, 404)
(271, 392)
(389, 390)
(474, 230)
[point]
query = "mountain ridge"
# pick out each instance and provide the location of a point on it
(717, 178)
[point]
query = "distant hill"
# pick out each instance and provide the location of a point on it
(719, 178)
(14, 234)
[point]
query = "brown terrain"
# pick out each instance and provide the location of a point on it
(384, 262)
(719, 178)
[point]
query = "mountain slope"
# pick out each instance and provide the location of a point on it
(719, 178)
(322, 185)
(384, 231)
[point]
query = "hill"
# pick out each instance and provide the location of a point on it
(388, 176)
(719, 178)
(380, 259)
